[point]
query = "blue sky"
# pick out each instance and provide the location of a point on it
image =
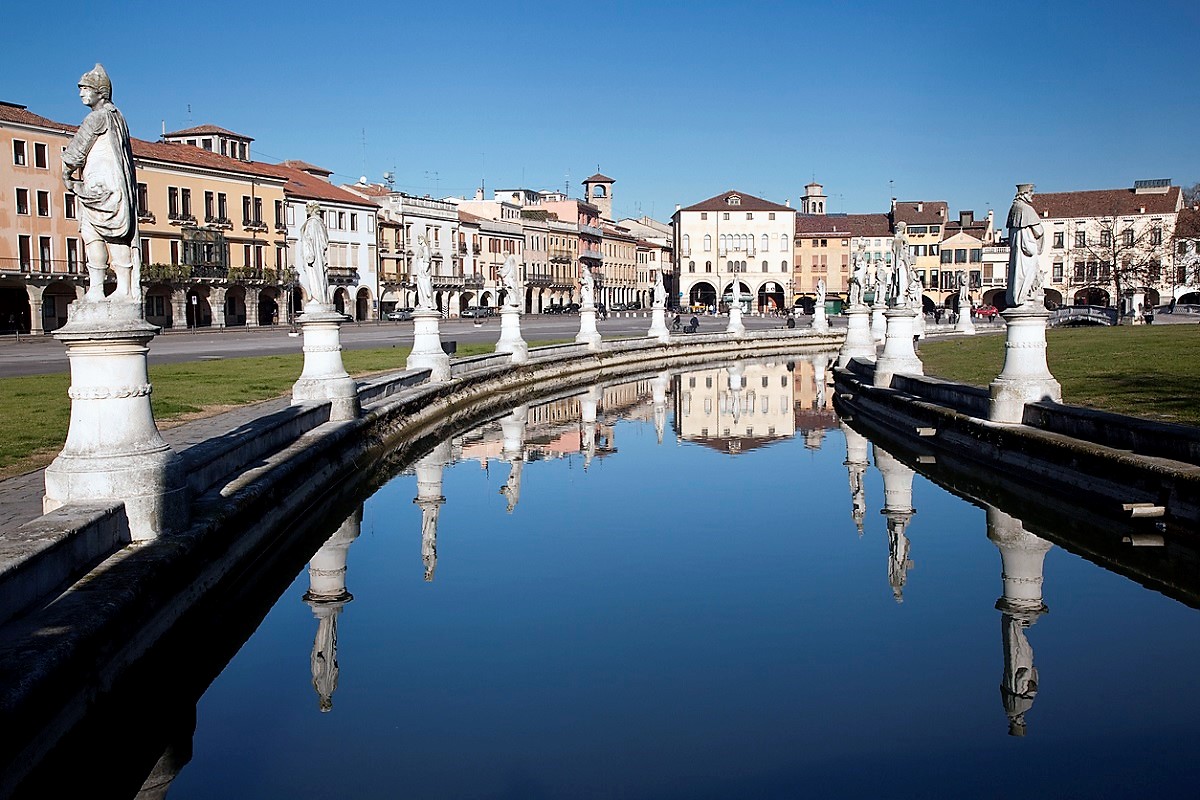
(676, 101)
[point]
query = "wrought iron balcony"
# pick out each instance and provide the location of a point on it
(343, 276)
(473, 281)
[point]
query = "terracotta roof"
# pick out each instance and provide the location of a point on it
(307, 187)
(976, 230)
(599, 178)
(367, 189)
(12, 112)
(748, 203)
(210, 130)
(304, 166)
(463, 216)
(869, 224)
(190, 155)
(1106, 203)
(908, 213)
(823, 225)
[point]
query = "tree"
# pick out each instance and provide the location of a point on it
(1191, 195)
(1126, 252)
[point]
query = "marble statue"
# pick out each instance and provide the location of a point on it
(915, 293)
(423, 273)
(587, 288)
(312, 256)
(1026, 240)
(510, 279)
(883, 280)
(898, 290)
(660, 291)
(736, 301)
(97, 167)
(964, 296)
(822, 292)
(858, 278)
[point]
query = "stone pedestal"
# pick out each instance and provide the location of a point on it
(324, 377)
(965, 324)
(326, 596)
(587, 328)
(113, 450)
(658, 324)
(1026, 377)
(510, 335)
(856, 466)
(898, 356)
(820, 322)
(878, 320)
(427, 350)
(859, 343)
(430, 499)
(735, 325)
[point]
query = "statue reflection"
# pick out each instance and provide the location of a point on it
(588, 405)
(1022, 555)
(429, 497)
(658, 394)
(326, 596)
(897, 507)
(513, 428)
(856, 466)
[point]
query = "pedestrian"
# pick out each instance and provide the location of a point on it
(1171, 310)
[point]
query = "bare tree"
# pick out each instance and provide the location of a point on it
(1191, 195)
(1122, 251)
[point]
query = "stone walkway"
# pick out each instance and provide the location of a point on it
(21, 497)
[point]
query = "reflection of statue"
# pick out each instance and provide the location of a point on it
(1026, 240)
(858, 498)
(324, 657)
(898, 560)
(97, 167)
(587, 288)
(429, 521)
(511, 282)
(660, 291)
(1020, 682)
(423, 274)
(512, 487)
(312, 256)
(858, 278)
(898, 291)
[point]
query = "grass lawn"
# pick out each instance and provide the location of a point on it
(37, 410)
(1146, 371)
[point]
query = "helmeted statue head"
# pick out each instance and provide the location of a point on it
(98, 79)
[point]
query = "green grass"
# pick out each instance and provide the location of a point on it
(1147, 371)
(37, 411)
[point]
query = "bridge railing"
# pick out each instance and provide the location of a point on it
(1095, 315)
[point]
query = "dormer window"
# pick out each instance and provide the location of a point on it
(733, 200)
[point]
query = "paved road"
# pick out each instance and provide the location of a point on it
(36, 355)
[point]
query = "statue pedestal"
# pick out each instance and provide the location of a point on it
(427, 350)
(735, 325)
(587, 328)
(1025, 378)
(324, 376)
(965, 324)
(820, 322)
(510, 335)
(113, 450)
(859, 343)
(878, 322)
(898, 356)
(658, 325)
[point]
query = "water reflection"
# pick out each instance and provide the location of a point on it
(429, 470)
(856, 466)
(326, 596)
(737, 408)
(513, 427)
(898, 508)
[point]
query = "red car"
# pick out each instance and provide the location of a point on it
(985, 312)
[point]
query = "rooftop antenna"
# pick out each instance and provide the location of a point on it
(390, 179)
(164, 131)
(189, 114)
(436, 181)
(364, 150)
(567, 184)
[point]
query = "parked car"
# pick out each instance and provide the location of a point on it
(400, 314)
(619, 306)
(985, 312)
(475, 311)
(571, 308)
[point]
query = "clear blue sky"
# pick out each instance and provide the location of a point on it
(676, 101)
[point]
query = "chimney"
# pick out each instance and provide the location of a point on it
(479, 194)
(991, 217)
(966, 218)
(919, 207)
(788, 202)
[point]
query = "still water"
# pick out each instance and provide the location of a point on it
(685, 587)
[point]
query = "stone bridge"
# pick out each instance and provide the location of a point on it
(1083, 315)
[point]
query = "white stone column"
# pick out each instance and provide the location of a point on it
(510, 335)
(36, 295)
(216, 302)
(427, 350)
(898, 356)
(326, 596)
(658, 394)
(965, 324)
(859, 342)
(113, 450)
(898, 508)
(587, 328)
(513, 451)
(1022, 555)
(658, 325)
(324, 377)
(735, 326)
(878, 320)
(856, 464)
(430, 499)
(1026, 377)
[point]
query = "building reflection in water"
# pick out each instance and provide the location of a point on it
(737, 408)
(1022, 555)
(513, 428)
(326, 596)
(856, 464)
(897, 507)
(429, 497)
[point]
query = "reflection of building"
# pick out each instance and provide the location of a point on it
(326, 596)
(738, 408)
(1021, 556)
(898, 508)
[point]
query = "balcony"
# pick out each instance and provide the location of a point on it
(462, 248)
(175, 218)
(280, 226)
(343, 276)
(473, 281)
(147, 216)
(254, 225)
(476, 249)
(560, 255)
(539, 279)
(590, 253)
(588, 230)
(448, 281)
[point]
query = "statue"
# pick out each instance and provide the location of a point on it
(587, 288)
(898, 289)
(312, 256)
(915, 292)
(873, 278)
(964, 296)
(1026, 240)
(97, 167)
(736, 300)
(511, 282)
(323, 660)
(423, 274)
(883, 281)
(1019, 685)
(821, 293)
(660, 291)
(858, 278)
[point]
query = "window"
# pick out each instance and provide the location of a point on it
(222, 207)
(691, 266)
(69, 205)
(44, 253)
(933, 249)
(1106, 239)
(771, 216)
(146, 250)
(40, 158)
(725, 215)
(935, 228)
(278, 213)
(258, 211)
(946, 256)
(43, 204)
(1081, 238)
(765, 267)
(687, 244)
(707, 243)
(1129, 237)
(245, 209)
(785, 266)
(19, 156)
(72, 255)
(25, 252)
(976, 255)
(708, 266)
(23, 202)
(185, 204)
(354, 223)
(1078, 272)
(156, 305)
(1156, 235)
(143, 198)
(703, 215)
(749, 215)
(341, 217)
(206, 144)
(210, 206)
(1155, 270)
(1058, 239)
(766, 243)
(174, 251)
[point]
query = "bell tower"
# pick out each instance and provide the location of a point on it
(814, 199)
(598, 191)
